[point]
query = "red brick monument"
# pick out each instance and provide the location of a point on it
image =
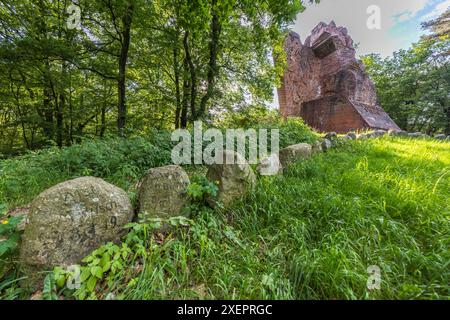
(327, 86)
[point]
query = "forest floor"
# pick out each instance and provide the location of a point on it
(309, 234)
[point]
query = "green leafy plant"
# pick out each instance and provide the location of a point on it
(201, 188)
(101, 265)
(110, 263)
(9, 236)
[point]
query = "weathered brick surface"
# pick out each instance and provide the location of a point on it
(327, 86)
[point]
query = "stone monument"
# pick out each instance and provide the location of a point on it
(327, 86)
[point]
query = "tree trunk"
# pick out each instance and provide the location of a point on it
(122, 108)
(212, 65)
(176, 68)
(59, 119)
(193, 74)
(447, 127)
(184, 107)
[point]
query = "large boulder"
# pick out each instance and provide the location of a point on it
(69, 221)
(295, 153)
(440, 137)
(163, 192)
(235, 178)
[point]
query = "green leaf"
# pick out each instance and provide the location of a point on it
(85, 274)
(60, 281)
(97, 271)
(90, 285)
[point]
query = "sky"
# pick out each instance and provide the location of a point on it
(400, 22)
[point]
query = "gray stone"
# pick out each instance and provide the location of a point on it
(234, 178)
(331, 136)
(440, 137)
(69, 221)
(399, 133)
(163, 192)
(270, 166)
(317, 147)
(351, 136)
(417, 135)
(326, 145)
(362, 136)
(379, 133)
(295, 153)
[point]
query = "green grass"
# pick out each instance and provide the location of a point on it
(312, 233)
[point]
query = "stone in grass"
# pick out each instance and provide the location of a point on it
(331, 136)
(270, 166)
(317, 147)
(362, 136)
(69, 221)
(440, 137)
(234, 175)
(326, 145)
(351, 136)
(162, 192)
(398, 133)
(378, 133)
(417, 135)
(294, 153)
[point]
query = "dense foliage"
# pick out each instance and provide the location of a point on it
(119, 161)
(309, 234)
(132, 65)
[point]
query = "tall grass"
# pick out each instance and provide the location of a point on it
(309, 234)
(312, 233)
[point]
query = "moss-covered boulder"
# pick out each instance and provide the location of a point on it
(295, 153)
(163, 192)
(69, 221)
(234, 175)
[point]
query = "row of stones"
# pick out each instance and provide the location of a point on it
(380, 133)
(71, 219)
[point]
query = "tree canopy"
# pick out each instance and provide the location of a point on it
(132, 65)
(413, 85)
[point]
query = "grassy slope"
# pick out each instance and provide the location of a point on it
(312, 233)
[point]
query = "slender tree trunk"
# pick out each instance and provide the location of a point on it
(176, 68)
(103, 122)
(447, 127)
(185, 103)
(212, 65)
(60, 119)
(193, 74)
(122, 108)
